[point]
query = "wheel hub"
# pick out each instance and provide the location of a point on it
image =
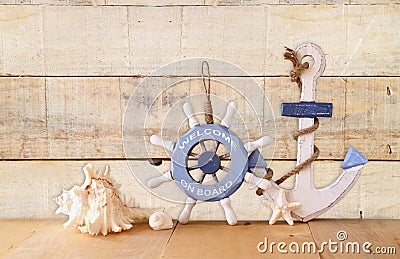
(209, 162)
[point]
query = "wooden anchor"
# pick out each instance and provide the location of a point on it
(314, 201)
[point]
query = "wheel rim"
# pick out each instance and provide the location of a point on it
(183, 170)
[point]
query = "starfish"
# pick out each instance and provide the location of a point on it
(281, 208)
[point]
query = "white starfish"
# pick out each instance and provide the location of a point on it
(281, 208)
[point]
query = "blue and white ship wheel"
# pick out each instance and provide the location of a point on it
(211, 151)
(197, 156)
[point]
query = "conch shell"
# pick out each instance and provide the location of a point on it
(160, 220)
(96, 207)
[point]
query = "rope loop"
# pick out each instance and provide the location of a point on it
(298, 67)
(209, 118)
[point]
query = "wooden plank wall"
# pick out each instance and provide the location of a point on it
(68, 68)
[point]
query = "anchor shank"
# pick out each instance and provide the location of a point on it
(305, 144)
(309, 84)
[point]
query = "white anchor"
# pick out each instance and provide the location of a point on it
(316, 201)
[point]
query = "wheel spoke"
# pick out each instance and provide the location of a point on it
(202, 178)
(226, 155)
(202, 146)
(195, 155)
(193, 167)
(216, 146)
(226, 169)
(215, 177)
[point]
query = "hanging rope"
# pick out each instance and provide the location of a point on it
(209, 118)
(207, 88)
(298, 67)
(184, 127)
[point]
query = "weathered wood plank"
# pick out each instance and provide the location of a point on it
(291, 27)
(219, 240)
(118, 40)
(27, 189)
(65, 2)
(331, 134)
(48, 118)
(84, 117)
(372, 106)
(37, 183)
(298, 2)
(380, 233)
(373, 205)
(155, 2)
(201, 35)
(84, 38)
(23, 118)
(53, 241)
(195, 2)
(154, 37)
(22, 40)
(365, 24)
(275, 2)
(358, 2)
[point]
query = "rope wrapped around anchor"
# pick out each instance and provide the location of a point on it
(295, 73)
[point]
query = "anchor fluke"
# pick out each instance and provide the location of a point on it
(314, 201)
(353, 158)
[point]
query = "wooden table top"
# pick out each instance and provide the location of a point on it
(202, 239)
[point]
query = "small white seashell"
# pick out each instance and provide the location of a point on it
(160, 220)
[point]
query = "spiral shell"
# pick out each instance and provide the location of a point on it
(96, 206)
(160, 220)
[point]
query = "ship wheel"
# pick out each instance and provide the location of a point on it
(209, 151)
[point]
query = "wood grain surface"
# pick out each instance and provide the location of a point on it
(28, 187)
(70, 69)
(119, 40)
(81, 117)
(203, 240)
(53, 241)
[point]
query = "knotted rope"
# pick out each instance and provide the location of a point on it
(295, 73)
(298, 67)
